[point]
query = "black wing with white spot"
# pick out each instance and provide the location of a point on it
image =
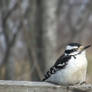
(60, 64)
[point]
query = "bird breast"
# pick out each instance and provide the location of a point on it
(74, 72)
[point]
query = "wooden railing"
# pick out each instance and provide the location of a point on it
(26, 86)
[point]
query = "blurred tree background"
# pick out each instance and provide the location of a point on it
(34, 33)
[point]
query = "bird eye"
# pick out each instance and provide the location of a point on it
(70, 51)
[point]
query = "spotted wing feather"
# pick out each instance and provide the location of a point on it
(60, 64)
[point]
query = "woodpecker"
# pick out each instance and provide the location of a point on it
(70, 68)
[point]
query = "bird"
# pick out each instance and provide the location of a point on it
(70, 68)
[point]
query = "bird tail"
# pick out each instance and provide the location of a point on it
(43, 79)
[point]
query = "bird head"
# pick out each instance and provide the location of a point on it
(75, 48)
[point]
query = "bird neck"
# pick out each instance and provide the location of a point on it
(83, 54)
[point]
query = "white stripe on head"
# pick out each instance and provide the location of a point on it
(71, 47)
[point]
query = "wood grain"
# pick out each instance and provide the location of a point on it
(26, 86)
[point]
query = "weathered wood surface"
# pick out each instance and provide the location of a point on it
(25, 86)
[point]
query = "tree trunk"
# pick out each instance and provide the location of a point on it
(42, 39)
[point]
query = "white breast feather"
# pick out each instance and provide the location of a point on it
(74, 72)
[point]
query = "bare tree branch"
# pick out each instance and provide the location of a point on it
(9, 44)
(80, 23)
(4, 21)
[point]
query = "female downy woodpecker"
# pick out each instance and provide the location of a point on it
(70, 68)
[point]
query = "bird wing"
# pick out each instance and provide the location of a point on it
(60, 64)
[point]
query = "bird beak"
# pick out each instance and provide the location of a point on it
(82, 48)
(86, 47)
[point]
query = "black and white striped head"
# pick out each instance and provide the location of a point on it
(75, 48)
